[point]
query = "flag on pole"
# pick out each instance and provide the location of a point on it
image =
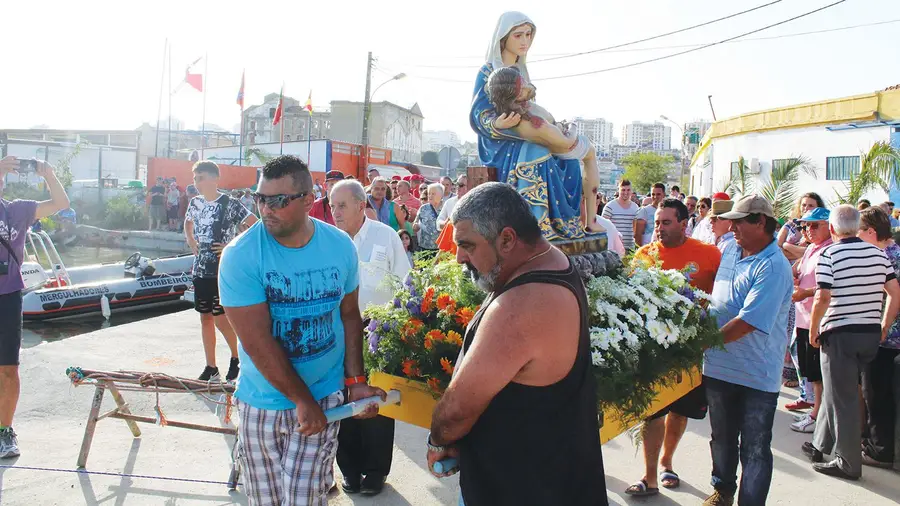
(195, 80)
(280, 109)
(308, 105)
(240, 95)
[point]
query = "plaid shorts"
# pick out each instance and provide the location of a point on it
(281, 466)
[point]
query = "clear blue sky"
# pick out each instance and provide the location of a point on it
(97, 64)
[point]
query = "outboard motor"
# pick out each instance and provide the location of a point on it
(34, 275)
(137, 266)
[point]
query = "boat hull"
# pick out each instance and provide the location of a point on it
(79, 299)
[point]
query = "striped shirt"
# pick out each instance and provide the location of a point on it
(623, 219)
(855, 272)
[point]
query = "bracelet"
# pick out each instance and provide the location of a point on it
(354, 380)
(433, 447)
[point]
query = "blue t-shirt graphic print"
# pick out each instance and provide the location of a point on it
(302, 305)
(303, 288)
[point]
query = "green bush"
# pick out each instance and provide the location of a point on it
(122, 213)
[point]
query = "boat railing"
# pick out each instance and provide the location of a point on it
(57, 266)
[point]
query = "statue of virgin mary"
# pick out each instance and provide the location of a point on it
(552, 186)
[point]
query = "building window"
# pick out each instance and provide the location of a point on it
(840, 168)
(780, 163)
(735, 169)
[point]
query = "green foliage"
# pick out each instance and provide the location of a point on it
(645, 169)
(783, 184)
(260, 155)
(63, 172)
(122, 213)
(25, 191)
(877, 168)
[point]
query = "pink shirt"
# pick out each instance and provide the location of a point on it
(807, 279)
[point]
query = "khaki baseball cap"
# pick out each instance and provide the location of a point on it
(747, 205)
(721, 207)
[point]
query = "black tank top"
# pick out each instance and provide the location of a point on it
(537, 445)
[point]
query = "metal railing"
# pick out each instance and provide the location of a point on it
(57, 266)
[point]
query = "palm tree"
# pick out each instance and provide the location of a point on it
(260, 155)
(877, 169)
(782, 186)
(740, 183)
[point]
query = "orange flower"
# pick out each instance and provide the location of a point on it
(444, 301)
(413, 325)
(411, 368)
(435, 384)
(446, 366)
(428, 300)
(453, 337)
(431, 336)
(464, 316)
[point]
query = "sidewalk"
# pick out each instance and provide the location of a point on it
(52, 415)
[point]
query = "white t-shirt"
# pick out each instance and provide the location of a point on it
(381, 254)
(613, 237)
(648, 214)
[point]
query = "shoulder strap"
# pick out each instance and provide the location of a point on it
(9, 248)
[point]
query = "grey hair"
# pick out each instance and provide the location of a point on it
(378, 179)
(491, 207)
(436, 187)
(844, 219)
(356, 189)
(448, 178)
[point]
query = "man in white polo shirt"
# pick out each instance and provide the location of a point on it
(848, 322)
(365, 446)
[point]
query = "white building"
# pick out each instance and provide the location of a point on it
(390, 126)
(436, 140)
(598, 130)
(830, 134)
(648, 136)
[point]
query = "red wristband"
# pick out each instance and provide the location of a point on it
(354, 380)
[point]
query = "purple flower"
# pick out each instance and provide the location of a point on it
(412, 291)
(414, 308)
(374, 339)
(397, 303)
(687, 292)
(703, 314)
(408, 281)
(386, 327)
(373, 324)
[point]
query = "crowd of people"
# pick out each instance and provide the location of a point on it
(810, 303)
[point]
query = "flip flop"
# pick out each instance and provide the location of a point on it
(671, 477)
(640, 489)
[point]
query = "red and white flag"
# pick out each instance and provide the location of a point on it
(280, 109)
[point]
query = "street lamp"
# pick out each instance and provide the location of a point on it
(397, 77)
(367, 111)
(683, 152)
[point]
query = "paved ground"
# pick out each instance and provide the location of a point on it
(52, 414)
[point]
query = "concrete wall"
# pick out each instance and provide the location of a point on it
(712, 170)
(319, 153)
(87, 164)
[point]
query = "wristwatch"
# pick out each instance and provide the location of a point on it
(432, 447)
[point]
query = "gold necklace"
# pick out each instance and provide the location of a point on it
(535, 257)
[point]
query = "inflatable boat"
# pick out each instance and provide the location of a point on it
(58, 292)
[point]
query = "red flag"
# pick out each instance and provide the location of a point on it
(280, 108)
(195, 80)
(240, 96)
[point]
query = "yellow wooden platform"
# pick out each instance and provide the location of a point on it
(417, 404)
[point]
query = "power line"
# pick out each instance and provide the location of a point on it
(679, 46)
(635, 64)
(660, 35)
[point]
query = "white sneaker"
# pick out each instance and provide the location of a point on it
(807, 424)
(9, 444)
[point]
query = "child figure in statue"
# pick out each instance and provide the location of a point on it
(511, 96)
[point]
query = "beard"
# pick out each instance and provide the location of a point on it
(485, 282)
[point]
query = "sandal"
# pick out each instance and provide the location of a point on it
(640, 489)
(791, 383)
(669, 479)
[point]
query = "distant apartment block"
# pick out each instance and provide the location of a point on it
(598, 130)
(648, 136)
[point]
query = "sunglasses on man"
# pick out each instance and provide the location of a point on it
(810, 226)
(276, 202)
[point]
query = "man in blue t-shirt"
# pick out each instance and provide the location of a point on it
(290, 289)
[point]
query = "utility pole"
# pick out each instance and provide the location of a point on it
(367, 106)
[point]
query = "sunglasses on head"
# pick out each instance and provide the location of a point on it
(275, 202)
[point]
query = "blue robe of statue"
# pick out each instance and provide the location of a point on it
(552, 186)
